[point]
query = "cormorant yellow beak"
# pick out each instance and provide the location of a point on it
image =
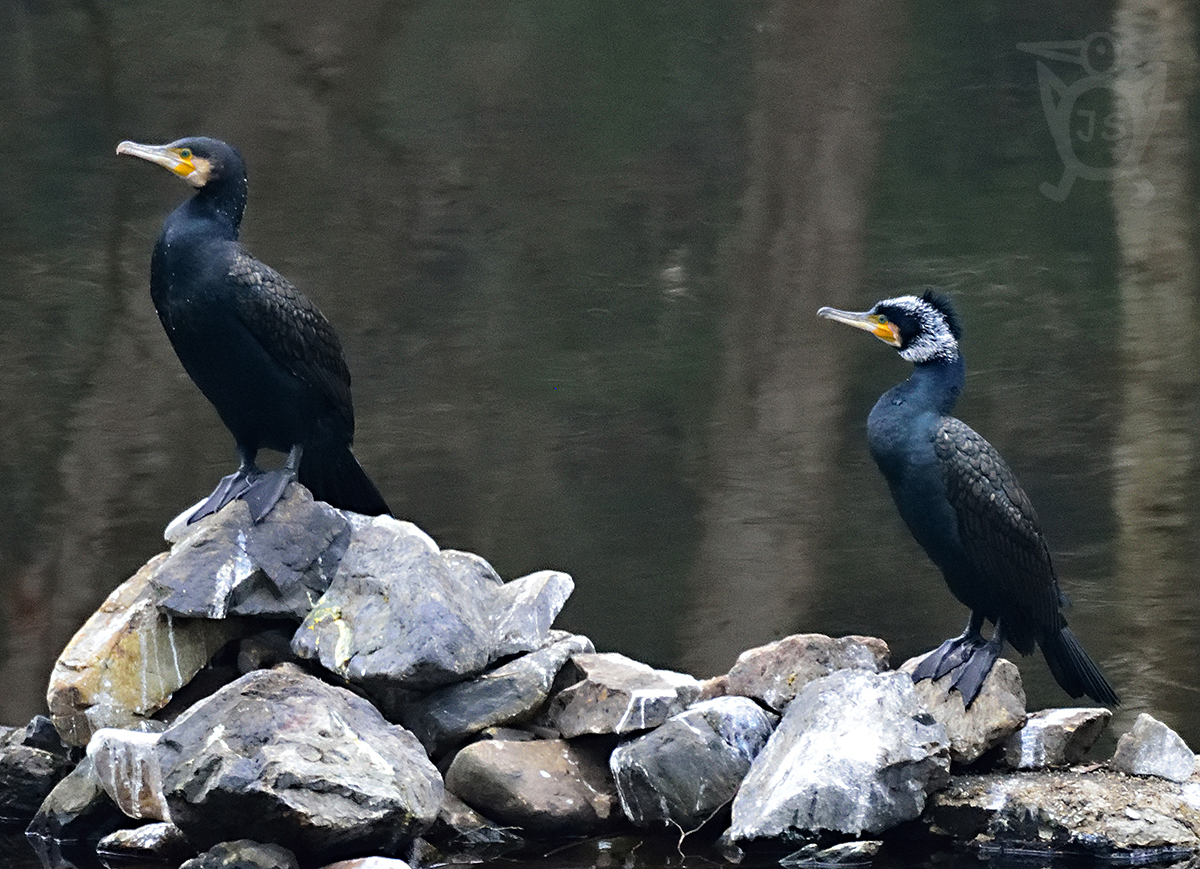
(192, 169)
(877, 324)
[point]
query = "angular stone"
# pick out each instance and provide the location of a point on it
(854, 753)
(311, 765)
(686, 770)
(509, 694)
(127, 660)
(1121, 820)
(1055, 737)
(156, 843)
(225, 564)
(77, 809)
(369, 863)
(460, 828)
(610, 693)
(400, 614)
(27, 775)
(244, 854)
(1152, 748)
(127, 766)
(842, 854)
(776, 672)
(546, 787)
(997, 713)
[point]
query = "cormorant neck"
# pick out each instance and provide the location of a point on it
(224, 199)
(939, 382)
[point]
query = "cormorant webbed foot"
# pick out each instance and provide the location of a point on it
(951, 654)
(265, 490)
(970, 676)
(229, 489)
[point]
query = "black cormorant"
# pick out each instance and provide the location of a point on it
(260, 351)
(964, 506)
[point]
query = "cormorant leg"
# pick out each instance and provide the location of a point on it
(952, 653)
(969, 679)
(231, 487)
(267, 487)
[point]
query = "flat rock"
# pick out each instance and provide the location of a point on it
(298, 762)
(226, 564)
(244, 854)
(401, 614)
(854, 753)
(157, 843)
(1055, 737)
(128, 659)
(685, 771)
(776, 672)
(1099, 814)
(546, 787)
(997, 713)
(509, 694)
(1152, 748)
(610, 693)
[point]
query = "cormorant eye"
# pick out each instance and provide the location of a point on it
(185, 153)
(882, 319)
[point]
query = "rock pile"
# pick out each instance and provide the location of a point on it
(324, 686)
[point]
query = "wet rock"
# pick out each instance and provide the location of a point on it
(775, 673)
(686, 770)
(610, 693)
(128, 659)
(546, 787)
(401, 613)
(509, 694)
(854, 753)
(158, 843)
(128, 767)
(78, 808)
(227, 565)
(27, 775)
(460, 828)
(842, 854)
(1055, 737)
(997, 713)
(369, 863)
(308, 764)
(1099, 814)
(244, 854)
(1152, 748)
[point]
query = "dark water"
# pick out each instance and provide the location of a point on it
(520, 219)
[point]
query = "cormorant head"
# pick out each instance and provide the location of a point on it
(198, 160)
(923, 328)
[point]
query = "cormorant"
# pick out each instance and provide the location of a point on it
(964, 506)
(260, 351)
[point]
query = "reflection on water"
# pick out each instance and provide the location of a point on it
(525, 224)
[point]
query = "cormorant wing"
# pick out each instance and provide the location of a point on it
(292, 331)
(1000, 533)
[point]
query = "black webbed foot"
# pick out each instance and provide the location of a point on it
(265, 490)
(970, 676)
(947, 657)
(229, 489)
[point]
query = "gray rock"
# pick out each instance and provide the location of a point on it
(27, 775)
(459, 828)
(129, 659)
(296, 761)
(1122, 820)
(686, 770)
(369, 863)
(997, 713)
(244, 854)
(509, 694)
(127, 766)
(400, 614)
(854, 753)
(610, 693)
(1152, 748)
(159, 843)
(227, 565)
(546, 787)
(776, 672)
(842, 854)
(77, 809)
(1055, 737)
